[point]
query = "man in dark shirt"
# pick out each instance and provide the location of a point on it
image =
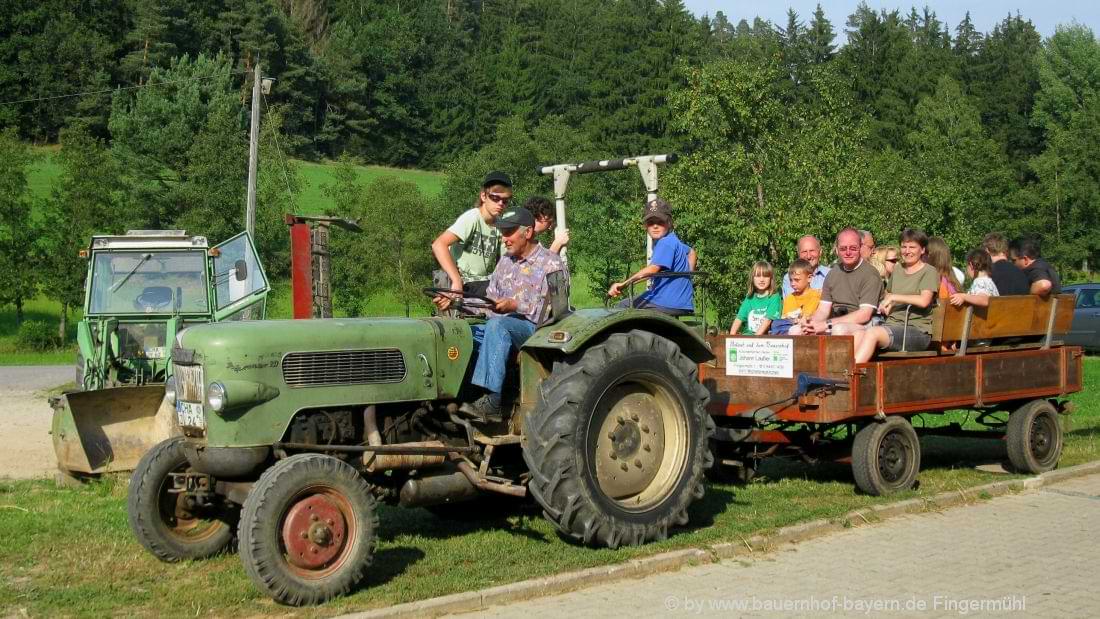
(1044, 279)
(1007, 276)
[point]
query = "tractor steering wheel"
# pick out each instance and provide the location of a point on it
(484, 302)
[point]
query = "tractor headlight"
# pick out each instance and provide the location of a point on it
(215, 397)
(170, 390)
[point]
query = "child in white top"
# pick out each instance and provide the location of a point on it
(978, 267)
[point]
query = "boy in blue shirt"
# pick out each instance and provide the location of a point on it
(672, 295)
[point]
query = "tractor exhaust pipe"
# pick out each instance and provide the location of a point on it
(437, 489)
(383, 462)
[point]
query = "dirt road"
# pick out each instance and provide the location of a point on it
(25, 419)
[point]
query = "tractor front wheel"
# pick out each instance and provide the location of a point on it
(617, 445)
(308, 530)
(168, 523)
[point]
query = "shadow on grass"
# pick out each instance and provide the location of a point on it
(485, 513)
(390, 563)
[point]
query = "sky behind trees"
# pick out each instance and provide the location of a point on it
(1045, 14)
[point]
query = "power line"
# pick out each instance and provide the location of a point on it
(275, 135)
(100, 92)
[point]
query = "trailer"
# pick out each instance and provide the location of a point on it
(805, 396)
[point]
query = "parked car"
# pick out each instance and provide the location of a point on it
(1085, 331)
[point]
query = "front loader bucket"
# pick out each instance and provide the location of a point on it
(109, 430)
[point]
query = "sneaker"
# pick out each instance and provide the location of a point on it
(482, 408)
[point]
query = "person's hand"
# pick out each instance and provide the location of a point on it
(444, 301)
(561, 237)
(505, 306)
(886, 305)
(957, 299)
(615, 290)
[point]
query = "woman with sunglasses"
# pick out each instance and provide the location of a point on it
(883, 259)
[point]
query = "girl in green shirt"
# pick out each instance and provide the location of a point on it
(762, 304)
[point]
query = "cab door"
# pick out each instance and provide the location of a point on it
(239, 282)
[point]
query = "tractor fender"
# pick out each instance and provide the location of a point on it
(583, 328)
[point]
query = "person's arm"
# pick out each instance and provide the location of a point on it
(736, 326)
(1041, 287)
(764, 326)
(860, 316)
(692, 257)
(977, 300)
(644, 272)
(561, 239)
(441, 249)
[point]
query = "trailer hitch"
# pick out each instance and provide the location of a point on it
(817, 384)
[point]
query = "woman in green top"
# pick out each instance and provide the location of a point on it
(761, 305)
(908, 304)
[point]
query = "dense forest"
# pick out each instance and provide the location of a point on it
(877, 119)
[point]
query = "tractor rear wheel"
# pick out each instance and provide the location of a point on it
(617, 445)
(170, 524)
(1034, 437)
(886, 456)
(308, 530)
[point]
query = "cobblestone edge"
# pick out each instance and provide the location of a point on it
(471, 601)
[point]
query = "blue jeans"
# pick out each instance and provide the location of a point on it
(494, 342)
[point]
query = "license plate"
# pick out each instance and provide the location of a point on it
(190, 414)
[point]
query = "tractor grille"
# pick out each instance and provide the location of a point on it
(189, 383)
(343, 367)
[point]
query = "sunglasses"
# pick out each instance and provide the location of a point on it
(499, 199)
(848, 248)
(891, 260)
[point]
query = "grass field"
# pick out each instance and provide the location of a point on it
(44, 174)
(70, 551)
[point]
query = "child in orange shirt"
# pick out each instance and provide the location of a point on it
(802, 301)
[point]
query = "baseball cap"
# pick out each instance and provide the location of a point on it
(514, 218)
(657, 209)
(496, 177)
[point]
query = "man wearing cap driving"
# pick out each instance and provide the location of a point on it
(469, 249)
(519, 288)
(671, 295)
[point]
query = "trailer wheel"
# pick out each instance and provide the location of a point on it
(167, 524)
(617, 445)
(1034, 437)
(886, 456)
(308, 530)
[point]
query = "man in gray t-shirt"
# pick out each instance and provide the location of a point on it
(850, 294)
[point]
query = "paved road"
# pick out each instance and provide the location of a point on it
(1032, 554)
(25, 418)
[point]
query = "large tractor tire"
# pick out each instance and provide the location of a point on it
(168, 524)
(308, 530)
(1034, 437)
(617, 445)
(886, 456)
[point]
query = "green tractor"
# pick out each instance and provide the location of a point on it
(142, 289)
(294, 431)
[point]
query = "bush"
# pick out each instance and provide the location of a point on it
(36, 335)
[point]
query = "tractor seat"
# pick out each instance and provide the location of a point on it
(153, 298)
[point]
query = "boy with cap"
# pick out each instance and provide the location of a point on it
(672, 295)
(519, 288)
(469, 249)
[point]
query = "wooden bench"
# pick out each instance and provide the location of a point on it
(1021, 316)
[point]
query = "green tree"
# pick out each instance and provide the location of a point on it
(765, 168)
(1067, 108)
(820, 38)
(85, 201)
(966, 182)
(1005, 82)
(17, 231)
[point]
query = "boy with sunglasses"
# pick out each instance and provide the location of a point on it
(468, 250)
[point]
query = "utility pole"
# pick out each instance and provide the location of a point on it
(253, 153)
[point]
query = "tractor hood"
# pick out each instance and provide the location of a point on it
(274, 368)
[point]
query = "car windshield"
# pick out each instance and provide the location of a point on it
(149, 282)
